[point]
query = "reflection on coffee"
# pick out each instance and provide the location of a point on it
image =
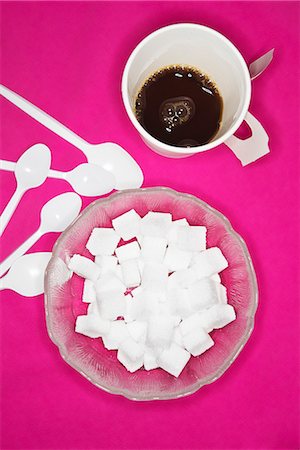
(180, 106)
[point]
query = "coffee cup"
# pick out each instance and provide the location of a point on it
(212, 53)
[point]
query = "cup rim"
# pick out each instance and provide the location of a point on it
(156, 142)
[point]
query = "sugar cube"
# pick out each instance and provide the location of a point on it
(222, 293)
(118, 333)
(209, 262)
(107, 263)
(197, 341)
(111, 305)
(184, 278)
(223, 315)
(150, 359)
(190, 323)
(109, 282)
(84, 267)
(173, 230)
(191, 239)
(130, 272)
(89, 292)
(216, 277)
(93, 326)
(173, 359)
(134, 308)
(138, 331)
(155, 224)
(154, 277)
(102, 241)
(153, 248)
(127, 225)
(176, 259)
(160, 331)
(136, 291)
(132, 349)
(128, 251)
(180, 302)
(129, 364)
(177, 337)
(203, 294)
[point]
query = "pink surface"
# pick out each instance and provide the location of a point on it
(68, 59)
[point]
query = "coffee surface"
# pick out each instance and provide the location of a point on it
(180, 106)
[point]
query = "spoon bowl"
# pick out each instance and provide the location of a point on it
(26, 275)
(33, 166)
(91, 180)
(59, 212)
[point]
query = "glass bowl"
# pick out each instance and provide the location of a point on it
(99, 365)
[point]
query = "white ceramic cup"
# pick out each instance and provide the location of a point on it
(212, 53)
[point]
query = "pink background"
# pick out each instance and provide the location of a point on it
(68, 58)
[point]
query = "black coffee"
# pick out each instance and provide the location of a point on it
(180, 106)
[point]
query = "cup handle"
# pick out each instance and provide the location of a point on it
(253, 148)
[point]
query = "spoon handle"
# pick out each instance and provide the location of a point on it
(10, 209)
(6, 264)
(7, 165)
(44, 118)
(10, 166)
(57, 174)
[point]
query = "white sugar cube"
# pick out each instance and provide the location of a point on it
(127, 225)
(111, 305)
(160, 331)
(138, 331)
(153, 248)
(128, 251)
(191, 239)
(222, 293)
(184, 278)
(129, 364)
(209, 262)
(179, 302)
(131, 273)
(197, 341)
(223, 315)
(150, 359)
(173, 230)
(134, 308)
(93, 309)
(136, 291)
(155, 224)
(154, 277)
(190, 323)
(173, 359)
(109, 282)
(132, 349)
(84, 267)
(216, 277)
(93, 326)
(107, 263)
(203, 294)
(177, 337)
(118, 333)
(89, 292)
(176, 259)
(102, 241)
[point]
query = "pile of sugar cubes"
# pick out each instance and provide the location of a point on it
(155, 299)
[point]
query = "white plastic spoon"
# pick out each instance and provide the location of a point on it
(258, 66)
(86, 179)
(30, 171)
(26, 275)
(56, 215)
(108, 155)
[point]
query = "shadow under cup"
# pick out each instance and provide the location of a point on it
(208, 51)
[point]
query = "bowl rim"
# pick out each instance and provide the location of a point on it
(250, 324)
